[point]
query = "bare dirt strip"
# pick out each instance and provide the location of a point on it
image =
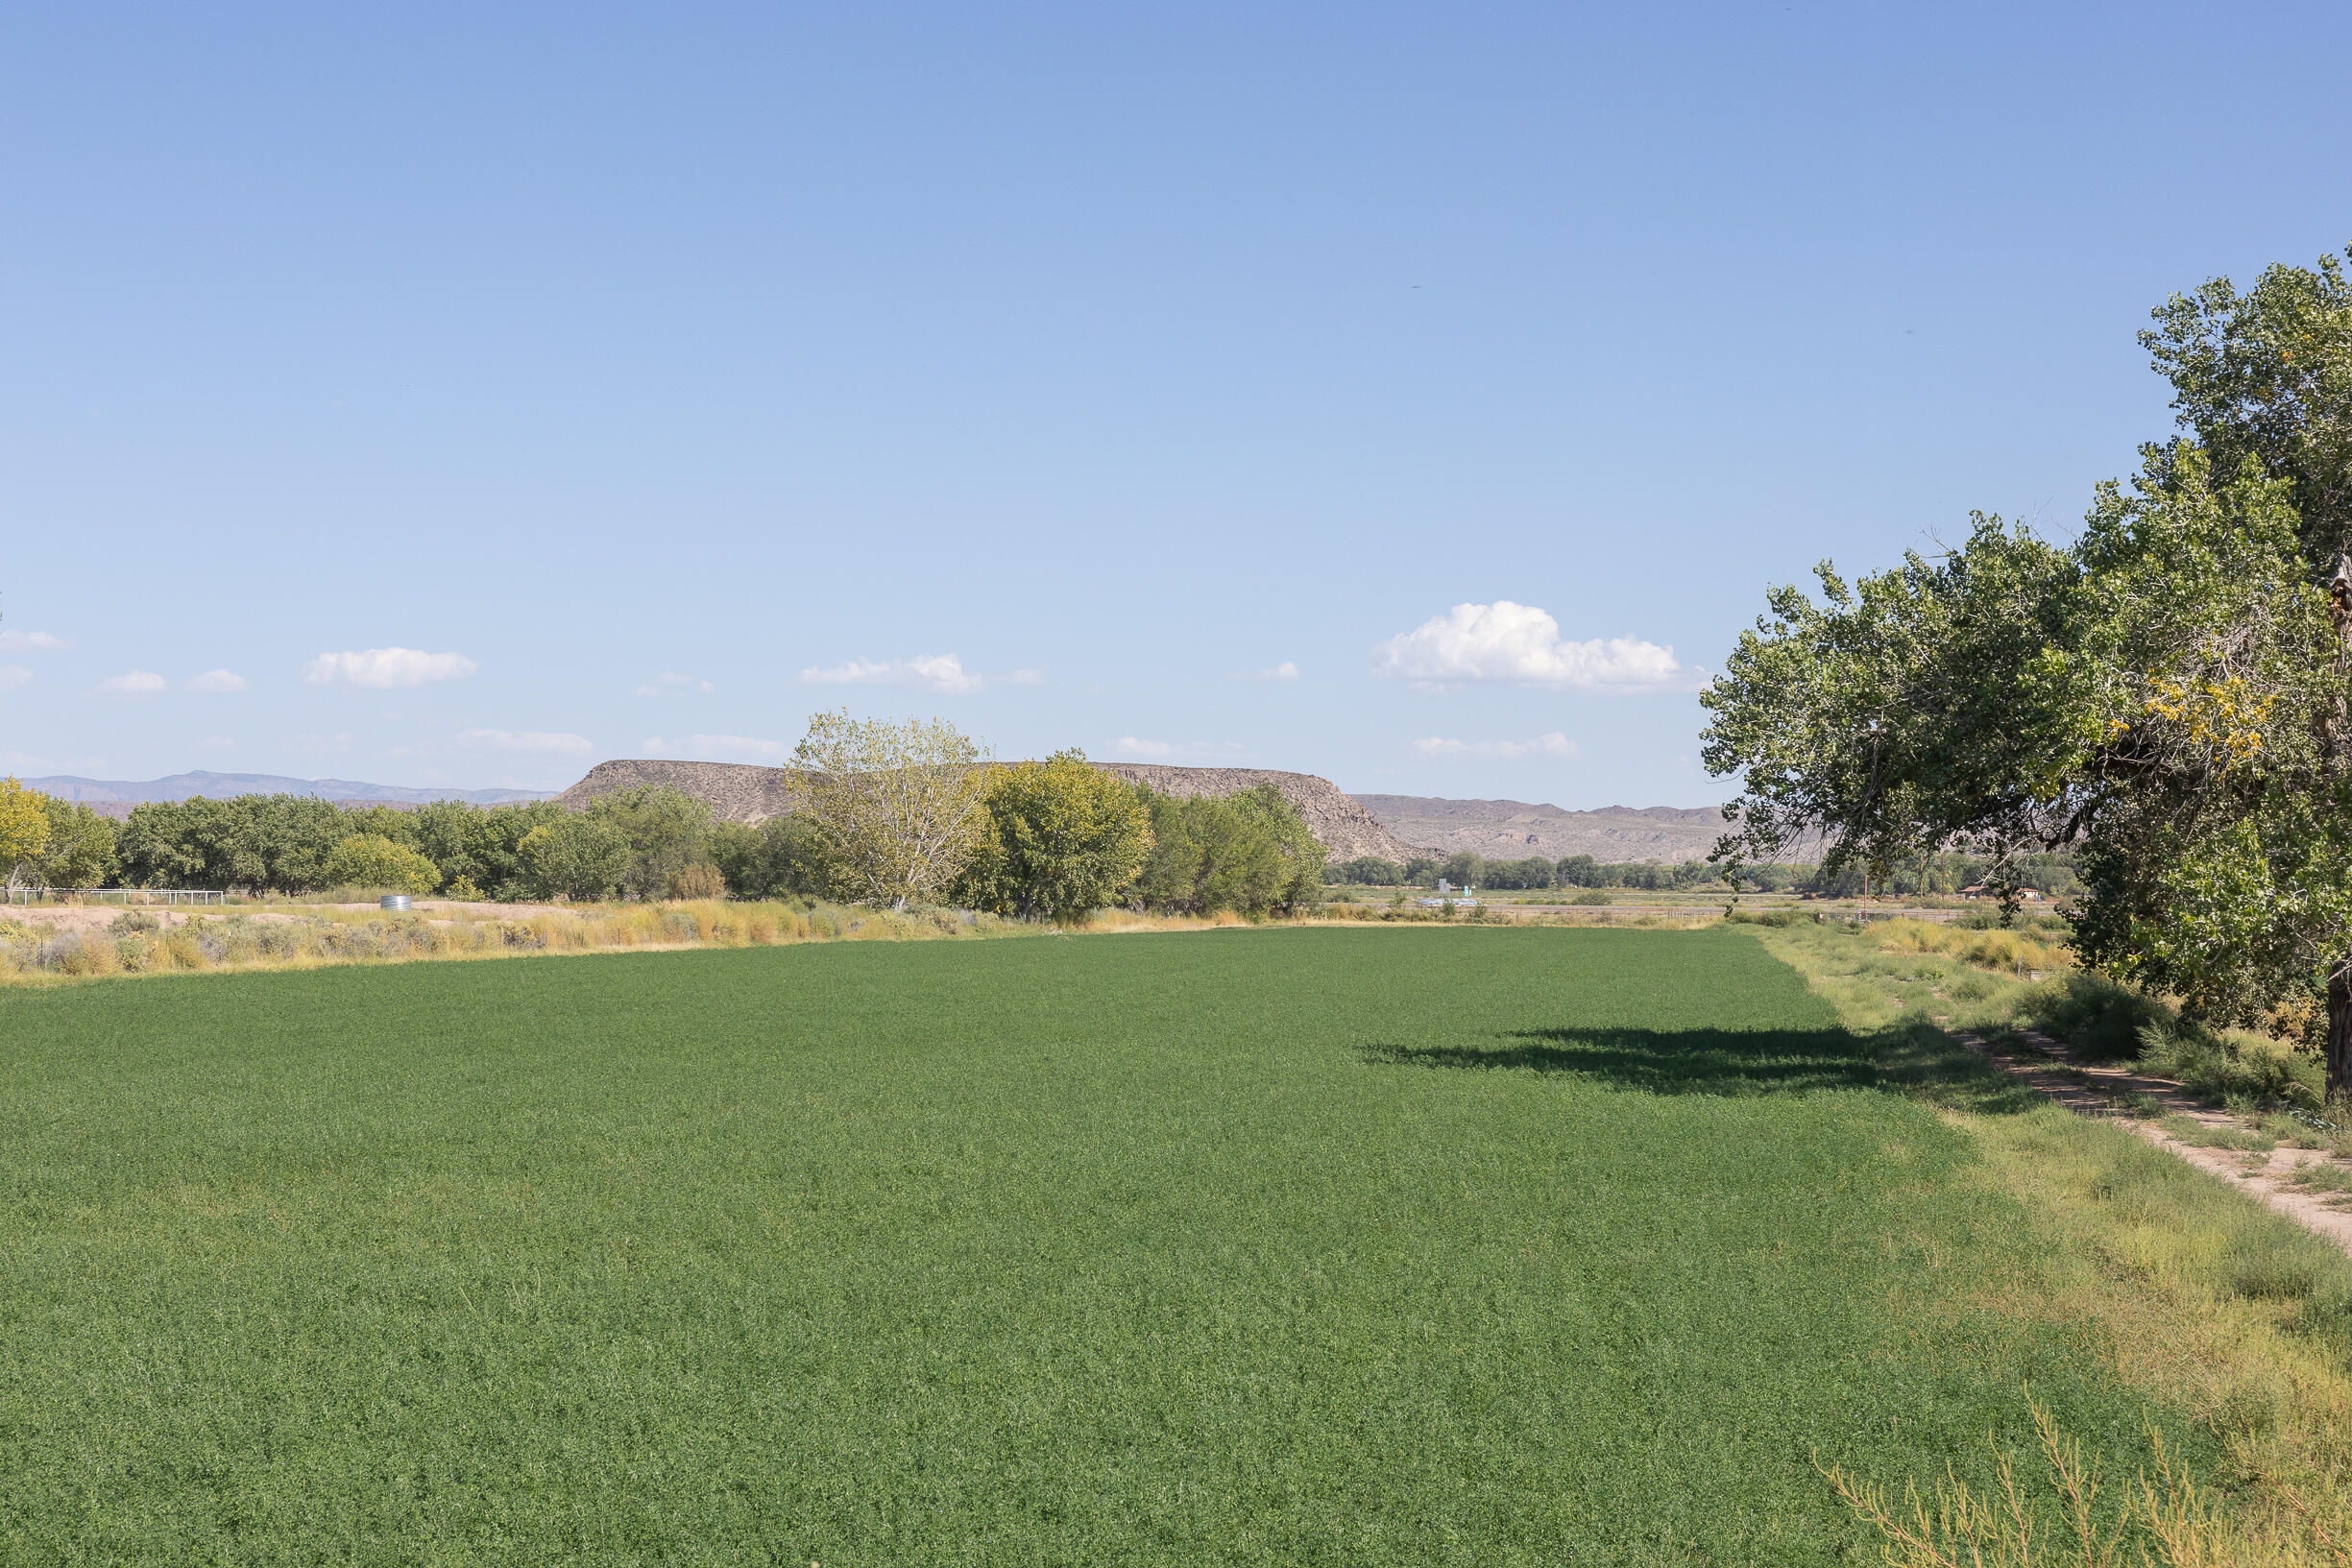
(2093, 1089)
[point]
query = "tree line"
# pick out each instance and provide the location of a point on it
(1471, 870)
(2051, 873)
(887, 814)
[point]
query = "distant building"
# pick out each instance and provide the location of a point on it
(1459, 897)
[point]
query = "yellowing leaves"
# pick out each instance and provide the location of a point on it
(2226, 713)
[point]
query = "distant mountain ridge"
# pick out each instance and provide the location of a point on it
(1515, 829)
(181, 786)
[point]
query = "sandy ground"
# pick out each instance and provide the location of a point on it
(2264, 1176)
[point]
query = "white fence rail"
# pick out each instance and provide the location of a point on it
(130, 896)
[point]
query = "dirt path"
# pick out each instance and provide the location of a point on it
(2092, 1089)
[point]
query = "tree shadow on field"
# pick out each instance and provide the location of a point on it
(1734, 1062)
(1667, 1062)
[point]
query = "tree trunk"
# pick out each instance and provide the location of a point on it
(2339, 1028)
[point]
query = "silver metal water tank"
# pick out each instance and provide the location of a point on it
(395, 901)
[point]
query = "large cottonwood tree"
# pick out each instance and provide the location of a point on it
(2171, 692)
(896, 804)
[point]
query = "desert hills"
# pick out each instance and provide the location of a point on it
(1391, 827)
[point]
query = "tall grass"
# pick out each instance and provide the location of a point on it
(137, 942)
(300, 935)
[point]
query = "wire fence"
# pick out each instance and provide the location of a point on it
(130, 896)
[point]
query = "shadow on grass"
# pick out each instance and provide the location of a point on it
(1917, 1059)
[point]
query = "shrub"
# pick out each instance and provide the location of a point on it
(780, 856)
(372, 860)
(80, 848)
(2223, 1068)
(2094, 1015)
(574, 858)
(1062, 837)
(668, 833)
(1248, 853)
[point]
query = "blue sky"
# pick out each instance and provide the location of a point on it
(463, 395)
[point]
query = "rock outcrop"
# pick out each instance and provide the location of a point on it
(736, 792)
(740, 793)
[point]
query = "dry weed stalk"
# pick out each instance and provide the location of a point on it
(2003, 1528)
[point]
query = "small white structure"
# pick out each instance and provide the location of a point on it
(1461, 897)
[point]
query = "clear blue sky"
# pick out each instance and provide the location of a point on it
(1124, 354)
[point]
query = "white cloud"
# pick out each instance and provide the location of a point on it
(530, 740)
(722, 748)
(1023, 677)
(12, 676)
(670, 683)
(217, 742)
(1127, 745)
(137, 682)
(1284, 671)
(217, 680)
(380, 669)
(1554, 744)
(938, 672)
(19, 642)
(1521, 644)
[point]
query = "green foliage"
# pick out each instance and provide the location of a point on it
(1912, 708)
(2228, 1071)
(80, 851)
(1062, 838)
(372, 861)
(1366, 871)
(24, 827)
(282, 843)
(1116, 1250)
(1578, 871)
(276, 843)
(578, 857)
(668, 833)
(483, 848)
(2096, 1015)
(778, 856)
(2172, 691)
(1248, 853)
(2266, 374)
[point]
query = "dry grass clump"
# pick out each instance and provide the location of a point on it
(2007, 952)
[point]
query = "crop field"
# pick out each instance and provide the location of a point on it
(1326, 1246)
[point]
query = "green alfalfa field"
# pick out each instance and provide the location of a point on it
(1322, 1245)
